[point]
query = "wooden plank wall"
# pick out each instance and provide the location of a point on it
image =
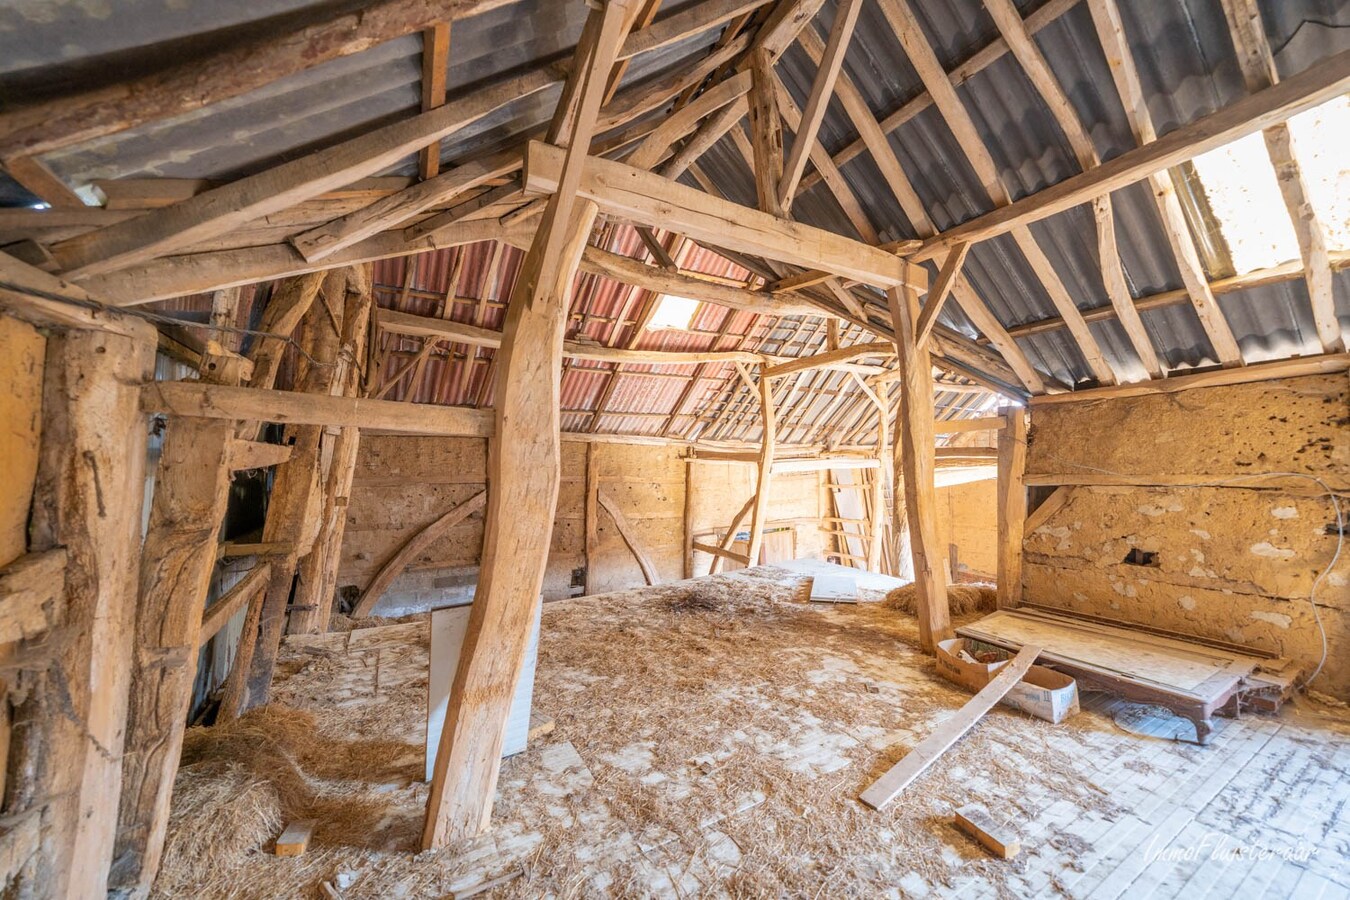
(402, 483)
(1234, 562)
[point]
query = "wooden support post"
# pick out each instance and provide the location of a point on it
(878, 517)
(767, 443)
(914, 467)
(1012, 504)
(191, 493)
(766, 131)
(524, 465)
(592, 516)
(88, 498)
(687, 521)
(317, 587)
(294, 510)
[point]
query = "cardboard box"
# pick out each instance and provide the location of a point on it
(1043, 693)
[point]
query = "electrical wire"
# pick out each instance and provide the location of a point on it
(1317, 582)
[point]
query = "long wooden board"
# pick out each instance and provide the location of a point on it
(888, 786)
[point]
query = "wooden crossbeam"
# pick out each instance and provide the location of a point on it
(213, 401)
(652, 200)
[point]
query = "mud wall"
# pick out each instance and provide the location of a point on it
(1190, 526)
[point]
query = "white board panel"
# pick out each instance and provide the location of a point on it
(448, 627)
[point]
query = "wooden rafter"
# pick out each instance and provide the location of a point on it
(845, 18)
(1111, 33)
(1028, 55)
(1259, 72)
(435, 58)
(954, 113)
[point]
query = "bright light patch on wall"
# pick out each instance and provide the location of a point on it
(1242, 191)
(1321, 136)
(674, 313)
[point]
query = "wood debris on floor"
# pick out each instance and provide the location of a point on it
(711, 738)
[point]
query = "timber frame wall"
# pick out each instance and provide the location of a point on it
(102, 630)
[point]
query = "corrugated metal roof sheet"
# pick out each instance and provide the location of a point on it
(1182, 49)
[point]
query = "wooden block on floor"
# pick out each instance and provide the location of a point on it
(295, 839)
(539, 727)
(976, 821)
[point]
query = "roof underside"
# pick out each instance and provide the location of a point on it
(1182, 49)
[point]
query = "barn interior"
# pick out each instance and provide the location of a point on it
(674, 448)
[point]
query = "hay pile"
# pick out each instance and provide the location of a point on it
(962, 599)
(240, 782)
(220, 814)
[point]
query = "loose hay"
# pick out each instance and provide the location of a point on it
(220, 815)
(727, 727)
(962, 599)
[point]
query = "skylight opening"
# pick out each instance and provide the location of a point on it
(1321, 136)
(1243, 194)
(1245, 199)
(673, 313)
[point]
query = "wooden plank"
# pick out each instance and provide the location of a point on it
(730, 537)
(1012, 505)
(955, 426)
(192, 484)
(32, 594)
(592, 515)
(523, 463)
(817, 101)
(977, 62)
(222, 209)
(294, 840)
(630, 538)
(830, 358)
(638, 274)
(229, 69)
(190, 398)
(1259, 72)
(396, 322)
(34, 175)
(766, 133)
(656, 201)
(394, 566)
(435, 58)
(975, 821)
(218, 614)
(941, 739)
(719, 552)
(243, 455)
(327, 239)
(914, 468)
(1049, 506)
(1111, 33)
(759, 512)
(657, 144)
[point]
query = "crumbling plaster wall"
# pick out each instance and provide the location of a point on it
(1235, 562)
